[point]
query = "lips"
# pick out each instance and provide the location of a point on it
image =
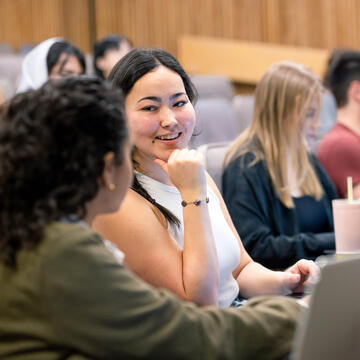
(168, 137)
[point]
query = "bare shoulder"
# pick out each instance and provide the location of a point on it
(140, 230)
(135, 213)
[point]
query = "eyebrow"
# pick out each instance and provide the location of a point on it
(157, 99)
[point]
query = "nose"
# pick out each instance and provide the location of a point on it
(167, 118)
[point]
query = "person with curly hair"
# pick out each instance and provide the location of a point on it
(64, 291)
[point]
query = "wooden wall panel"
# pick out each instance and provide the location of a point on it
(313, 23)
(31, 21)
(76, 23)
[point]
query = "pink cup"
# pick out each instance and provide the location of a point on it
(347, 226)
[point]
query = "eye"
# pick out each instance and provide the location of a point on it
(149, 108)
(180, 103)
(310, 113)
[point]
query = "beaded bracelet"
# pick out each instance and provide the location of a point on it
(196, 202)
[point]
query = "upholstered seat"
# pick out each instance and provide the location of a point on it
(214, 155)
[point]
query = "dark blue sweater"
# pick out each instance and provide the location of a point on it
(270, 231)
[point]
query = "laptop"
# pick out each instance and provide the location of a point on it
(330, 330)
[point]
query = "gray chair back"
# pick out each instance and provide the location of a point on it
(216, 122)
(213, 86)
(10, 72)
(244, 110)
(214, 155)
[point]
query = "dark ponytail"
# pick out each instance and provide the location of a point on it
(169, 216)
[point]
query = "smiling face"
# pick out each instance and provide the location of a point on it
(161, 116)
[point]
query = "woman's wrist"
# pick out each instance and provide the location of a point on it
(190, 195)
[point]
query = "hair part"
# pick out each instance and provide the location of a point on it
(52, 146)
(281, 99)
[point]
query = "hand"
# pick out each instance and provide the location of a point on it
(301, 274)
(186, 171)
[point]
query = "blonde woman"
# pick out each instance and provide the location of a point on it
(278, 195)
(174, 227)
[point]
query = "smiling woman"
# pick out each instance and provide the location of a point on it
(174, 226)
(159, 123)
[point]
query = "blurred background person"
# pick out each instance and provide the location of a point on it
(340, 148)
(278, 195)
(53, 58)
(328, 107)
(107, 52)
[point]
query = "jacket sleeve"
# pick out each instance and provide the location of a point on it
(100, 308)
(253, 207)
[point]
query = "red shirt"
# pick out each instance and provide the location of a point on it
(339, 153)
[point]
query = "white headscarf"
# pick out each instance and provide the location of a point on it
(34, 71)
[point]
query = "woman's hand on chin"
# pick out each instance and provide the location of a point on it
(186, 171)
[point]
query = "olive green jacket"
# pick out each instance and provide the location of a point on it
(70, 298)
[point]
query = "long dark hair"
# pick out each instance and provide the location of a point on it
(127, 72)
(63, 47)
(52, 146)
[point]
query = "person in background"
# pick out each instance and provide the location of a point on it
(107, 52)
(339, 149)
(174, 226)
(51, 59)
(278, 195)
(65, 292)
(328, 108)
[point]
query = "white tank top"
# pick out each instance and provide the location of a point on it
(227, 246)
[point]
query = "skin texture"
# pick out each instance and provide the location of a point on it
(115, 181)
(157, 106)
(2, 97)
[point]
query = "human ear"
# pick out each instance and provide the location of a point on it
(108, 174)
(100, 63)
(354, 91)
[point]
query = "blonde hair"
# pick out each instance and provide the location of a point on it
(281, 100)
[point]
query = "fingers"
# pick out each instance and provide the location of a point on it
(186, 155)
(308, 269)
(290, 282)
(186, 171)
(308, 272)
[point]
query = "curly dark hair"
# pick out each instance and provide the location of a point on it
(52, 146)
